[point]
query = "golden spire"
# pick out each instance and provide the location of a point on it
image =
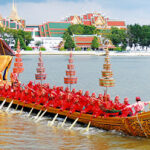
(14, 15)
(1, 18)
(107, 80)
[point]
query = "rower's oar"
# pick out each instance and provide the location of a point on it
(17, 106)
(38, 119)
(2, 104)
(87, 128)
(64, 122)
(38, 114)
(30, 112)
(50, 124)
(9, 106)
(73, 123)
(21, 111)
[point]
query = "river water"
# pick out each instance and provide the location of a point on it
(132, 75)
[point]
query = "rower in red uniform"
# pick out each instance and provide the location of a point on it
(66, 102)
(97, 110)
(93, 95)
(126, 112)
(87, 93)
(67, 89)
(14, 78)
(73, 91)
(100, 97)
(54, 87)
(117, 104)
(76, 105)
(79, 92)
(107, 102)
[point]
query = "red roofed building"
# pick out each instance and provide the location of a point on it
(74, 19)
(120, 24)
(87, 23)
(97, 20)
(85, 41)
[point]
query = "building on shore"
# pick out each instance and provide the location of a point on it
(49, 34)
(85, 41)
(13, 21)
(96, 19)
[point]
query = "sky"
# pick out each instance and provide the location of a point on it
(36, 12)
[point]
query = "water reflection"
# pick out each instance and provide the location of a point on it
(19, 132)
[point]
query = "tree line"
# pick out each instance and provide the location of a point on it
(134, 35)
(12, 35)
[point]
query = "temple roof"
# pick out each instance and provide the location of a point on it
(116, 23)
(5, 49)
(14, 14)
(87, 23)
(84, 39)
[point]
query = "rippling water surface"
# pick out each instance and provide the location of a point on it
(132, 75)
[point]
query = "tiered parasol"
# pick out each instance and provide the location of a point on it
(40, 70)
(18, 65)
(70, 73)
(107, 80)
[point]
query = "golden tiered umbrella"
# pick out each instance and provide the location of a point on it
(70, 73)
(107, 80)
(18, 65)
(40, 70)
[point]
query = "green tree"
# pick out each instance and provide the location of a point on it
(1, 32)
(145, 36)
(10, 35)
(80, 29)
(27, 37)
(134, 34)
(22, 43)
(76, 29)
(69, 43)
(118, 37)
(89, 30)
(95, 43)
(65, 35)
(38, 43)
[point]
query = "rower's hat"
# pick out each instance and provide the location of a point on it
(67, 89)
(100, 95)
(117, 98)
(73, 90)
(138, 98)
(126, 99)
(93, 95)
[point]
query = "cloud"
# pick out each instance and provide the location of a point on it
(132, 11)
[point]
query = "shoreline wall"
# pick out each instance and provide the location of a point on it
(96, 53)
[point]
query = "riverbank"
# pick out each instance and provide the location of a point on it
(96, 53)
